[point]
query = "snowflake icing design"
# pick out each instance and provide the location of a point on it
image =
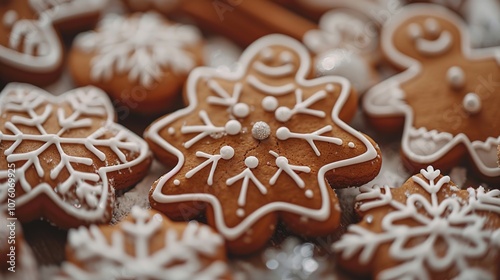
(239, 136)
(183, 254)
(63, 148)
(141, 45)
(435, 212)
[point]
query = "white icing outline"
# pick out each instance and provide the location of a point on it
(283, 133)
(290, 170)
(28, 62)
(461, 228)
(435, 47)
(378, 103)
(248, 55)
(108, 125)
(214, 159)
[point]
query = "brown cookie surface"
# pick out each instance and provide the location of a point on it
(261, 144)
(146, 245)
(447, 97)
(66, 154)
(427, 228)
(141, 60)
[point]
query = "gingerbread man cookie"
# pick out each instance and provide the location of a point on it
(66, 153)
(145, 245)
(260, 144)
(426, 229)
(446, 99)
(141, 60)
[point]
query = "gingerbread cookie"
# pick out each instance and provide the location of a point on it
(256, 145)
(446, 99)
(141, 60)
(66, 153)
(146, 245)
(163, 6)
(426, 229)
(30, 50)
(343, 47)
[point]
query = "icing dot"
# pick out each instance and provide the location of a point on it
(233, 127)
(351, 145)
(171, 130)
(269, 103)
(472, 103)
(241, 110)
(251, 162)
(9, 18)
(329, 88)
(240, 212)
(286, 57)
(283, 114)
(177, 182)
(309, 194)
(283, 133)
(455, 77)
(432, 26)
(227, 152)
(281, 162)
(414, 31)
(261, 130)
(267, 54)
(369, 219)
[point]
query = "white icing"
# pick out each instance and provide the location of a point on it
(290, 169)
(309, 194)
(226, 153)
(472, 103)
(261, 130)
(240, 110)
(286, 57)
(278, 71)
(284, 114)
(273, 90)
(61, 10)
(435, 47)
(283, 133)
(246, 175)
(171, 130)
(387, 98)
(415, 31)
(177, 182)
(240, 212)
(451, 220)
(351, 145)
(142, 46)
(179, 258)
(270, 103)
(320, 213)
(232, 127)
(432, 26)
(456, 77)
(92, 188)
(9, 18)
(267, 54)
(32, 35)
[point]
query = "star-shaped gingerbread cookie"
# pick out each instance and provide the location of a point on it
(63, 157)
(446, 98)
(426, 229)
(260, 144)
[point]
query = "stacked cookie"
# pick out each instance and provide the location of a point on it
(246, 154)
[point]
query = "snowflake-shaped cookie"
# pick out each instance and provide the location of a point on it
(67, 155)
(146, 245)
(426, 229)
(448, 95)
(258, 143)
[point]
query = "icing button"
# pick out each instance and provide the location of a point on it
(472, 103)
(269, 103)
(455, 77)
(261, 130)
(283, 114)
(241, 110)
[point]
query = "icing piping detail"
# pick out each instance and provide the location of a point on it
(283, 133)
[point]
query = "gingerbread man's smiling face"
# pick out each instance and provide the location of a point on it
(448, 93)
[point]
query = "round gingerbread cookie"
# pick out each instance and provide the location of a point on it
(65, 154)
(145, 245)
(426, 229)
(446, 99)
(141, 60)
(261, 144)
